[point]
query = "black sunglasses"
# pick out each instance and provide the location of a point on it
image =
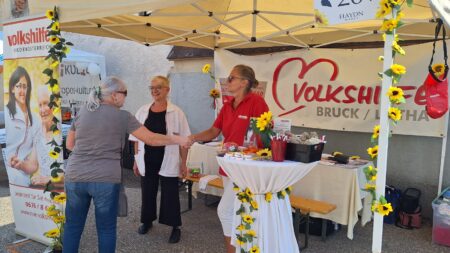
(124, 92)
(230, 78)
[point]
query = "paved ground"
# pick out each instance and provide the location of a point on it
(201, 231)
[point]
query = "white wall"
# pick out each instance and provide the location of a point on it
(130, 61)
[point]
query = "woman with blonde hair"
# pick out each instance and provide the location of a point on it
(161, 165)
(93, 171)
(233, 122)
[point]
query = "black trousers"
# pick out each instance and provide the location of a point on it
(169, 210)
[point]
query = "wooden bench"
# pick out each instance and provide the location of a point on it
(217, 183)
(302, 207)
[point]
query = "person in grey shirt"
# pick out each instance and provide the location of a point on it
(93, 171)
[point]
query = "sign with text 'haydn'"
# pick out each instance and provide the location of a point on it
(338, 89)
(332, 12)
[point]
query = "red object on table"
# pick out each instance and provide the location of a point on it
(278, 150)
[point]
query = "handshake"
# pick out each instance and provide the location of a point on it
(185, 142)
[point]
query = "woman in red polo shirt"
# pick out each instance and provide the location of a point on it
(233, 121)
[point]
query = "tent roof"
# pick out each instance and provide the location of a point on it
(228, 23)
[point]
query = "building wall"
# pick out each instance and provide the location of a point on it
(128, 60)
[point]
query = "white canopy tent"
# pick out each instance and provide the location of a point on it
(237, 24)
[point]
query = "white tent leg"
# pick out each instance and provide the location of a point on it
(383, 143)
(443, 150)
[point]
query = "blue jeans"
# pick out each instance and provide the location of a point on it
(79, 195)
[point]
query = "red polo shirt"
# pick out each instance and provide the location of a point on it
(234, 122)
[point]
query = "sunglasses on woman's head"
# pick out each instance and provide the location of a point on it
(124, 92)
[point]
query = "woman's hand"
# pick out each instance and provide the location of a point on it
(16, 163)
(183, 141)
(136, 170)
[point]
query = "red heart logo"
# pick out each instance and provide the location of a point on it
(304, 69)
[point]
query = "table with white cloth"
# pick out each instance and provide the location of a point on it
(206, 155)
(339, 184)
(273, 220)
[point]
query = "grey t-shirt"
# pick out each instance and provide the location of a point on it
(99, 138)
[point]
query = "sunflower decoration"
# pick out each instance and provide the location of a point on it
(375, 133)
(395, 72)
(371, 173)
(373, 151)
(382, 207)
(263, 126)
(268, 197)
(264, 154)
(395, 95)
(397, 48)
(214, 94)
(320, 18)
(438, 69)
(395, 114)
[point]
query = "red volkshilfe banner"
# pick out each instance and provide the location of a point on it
(338, 89)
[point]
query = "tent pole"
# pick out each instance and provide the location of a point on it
(383, 142)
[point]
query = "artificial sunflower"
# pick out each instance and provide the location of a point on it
(52, 213)
(55, 26)
(389, 25)
(254, 204)
(53, 233)
(397, 48)
(57, 179)
(53, 154)
(206, 68)
(214, 93)
(50, 14)
(268, 197)
(385, 9)
(261, 124)
(376, 132)
(373, 151)
(395, 94)
(61, 198)
(398, 69)
(254, 249)
(248, 192)
(283, 193)
(55, 89)
(400, 15)
(264, 153)
(66, 50)
(438, 69)
(56, 110)
(370, 187)
(240, 242)
(381, 58)
(240, 227)
(396, 2)
(54, 64)
(247, 218)
(56, 132)
(395, 114)
(236, 188)
(384, 209)
(335, 153)
(371, 173)
(54, 40)
(251, 233)
(396, 38)
(320, 18)
(59, 219)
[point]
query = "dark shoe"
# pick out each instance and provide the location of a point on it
(144, 228)
(175, 235)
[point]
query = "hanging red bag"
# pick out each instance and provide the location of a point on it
(436, 85)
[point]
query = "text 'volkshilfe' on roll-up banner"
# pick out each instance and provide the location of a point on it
(338, 89)
(27, 121)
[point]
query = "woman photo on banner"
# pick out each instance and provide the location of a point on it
(233, 122)
(161, 165)
(22, 128)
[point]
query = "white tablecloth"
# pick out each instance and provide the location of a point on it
(273, 221)
(340, 185)
(205, 155)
